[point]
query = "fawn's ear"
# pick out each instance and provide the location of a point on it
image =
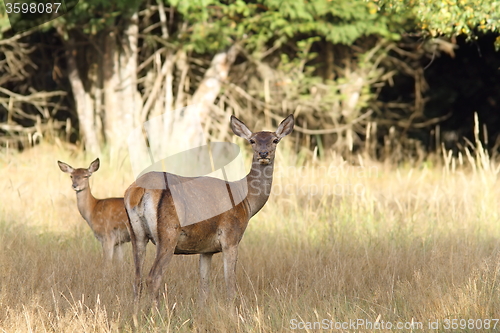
(65, 167)
(94, 166)
(240, 129)
(285, 127)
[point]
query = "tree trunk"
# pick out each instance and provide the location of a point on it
(181, 129)
(122, 100)
(84, 104)
(190, 121)
(157, 110)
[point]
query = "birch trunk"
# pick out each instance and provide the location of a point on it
(180, 129)
(84, 105)
(191, 122)
(121, 99)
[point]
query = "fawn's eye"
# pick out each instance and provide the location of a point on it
(276, 140)
(252, 141)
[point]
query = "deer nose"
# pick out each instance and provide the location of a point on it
(263, 154)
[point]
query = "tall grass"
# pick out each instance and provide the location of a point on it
(335, 243)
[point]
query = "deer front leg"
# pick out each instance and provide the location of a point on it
(108, 250)
(119, 252)
(230, 255)
(205, 262)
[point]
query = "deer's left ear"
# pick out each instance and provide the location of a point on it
(285, 127)
(94, 166)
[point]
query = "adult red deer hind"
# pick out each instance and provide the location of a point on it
(156, 213)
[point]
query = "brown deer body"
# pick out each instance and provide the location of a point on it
(155, 216)
(106, 217)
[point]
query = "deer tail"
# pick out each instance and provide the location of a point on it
(133, 196)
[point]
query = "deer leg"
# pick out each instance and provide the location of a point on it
(119, 252)
(139, 241)
(164, 252)
(139, 250)
(230, 255)
(107, 248)
(205, 262)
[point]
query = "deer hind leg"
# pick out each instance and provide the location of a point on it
(165, 248)
(205, 262)
(230, 256)
(139, 241)
(139, 251)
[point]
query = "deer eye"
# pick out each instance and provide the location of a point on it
(276, 140)
(252, 141)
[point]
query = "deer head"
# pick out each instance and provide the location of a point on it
(263, 143)
(80, 177)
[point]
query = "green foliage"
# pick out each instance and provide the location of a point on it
(4, 19)
(212, 25)
(215, 24)
(337, 21)
(448, 17)
(91, 16)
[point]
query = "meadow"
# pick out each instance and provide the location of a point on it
(401, 248)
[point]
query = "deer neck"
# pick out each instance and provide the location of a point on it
(259, 182)
(86, 203)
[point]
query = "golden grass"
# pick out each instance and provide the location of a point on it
(335, 242)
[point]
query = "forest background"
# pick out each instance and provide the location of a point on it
(356, 74)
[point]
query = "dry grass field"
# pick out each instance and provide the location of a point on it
(337, 248)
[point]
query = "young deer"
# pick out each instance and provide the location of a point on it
(106, 217)
(156, 213)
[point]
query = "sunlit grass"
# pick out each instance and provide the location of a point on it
(335, 242)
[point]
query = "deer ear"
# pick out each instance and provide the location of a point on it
(285, 127)
(65, 167)
(240, 129)
(94, 166)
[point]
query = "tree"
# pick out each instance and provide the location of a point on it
(116, 85)
(104, 88)
(448, 17)
(130, 61)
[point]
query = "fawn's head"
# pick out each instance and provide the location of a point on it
(263, 143)
(80, 176)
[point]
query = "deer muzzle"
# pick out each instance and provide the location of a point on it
(264, 158)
